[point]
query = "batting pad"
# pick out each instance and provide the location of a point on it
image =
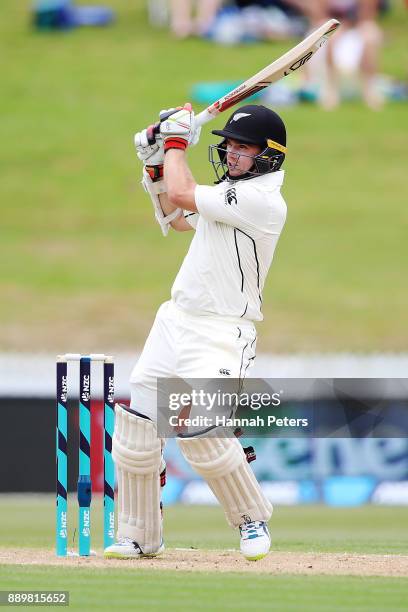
(222, 463)
(136, 450)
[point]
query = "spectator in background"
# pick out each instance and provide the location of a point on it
(271, 19)
(245, 21)
(353, 53)
(192, 17)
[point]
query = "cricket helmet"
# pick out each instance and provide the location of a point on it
(252, 124)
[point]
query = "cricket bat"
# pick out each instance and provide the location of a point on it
(286, 64)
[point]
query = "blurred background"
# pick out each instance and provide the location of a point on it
(83, 265)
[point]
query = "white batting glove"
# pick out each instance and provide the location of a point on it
(150, 151)
(149, 147)
(178, 129)
(195, 134)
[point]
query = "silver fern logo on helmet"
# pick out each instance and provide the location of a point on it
(239, 116)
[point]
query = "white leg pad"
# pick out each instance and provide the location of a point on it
(136, 450)
(222, 463)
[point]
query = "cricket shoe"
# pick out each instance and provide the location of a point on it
(126, 548)
(255, 540)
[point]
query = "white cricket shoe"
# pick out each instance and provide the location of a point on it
(255, 540)
(125, 548)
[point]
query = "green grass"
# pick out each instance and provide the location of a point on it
(28, 522)
(82, 262)
(130, 590)
(365, 529)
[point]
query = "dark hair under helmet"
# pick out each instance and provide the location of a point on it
(253, 124)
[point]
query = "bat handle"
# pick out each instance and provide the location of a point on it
(204, 117)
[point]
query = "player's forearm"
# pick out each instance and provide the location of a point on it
(179, 223)
(179, 180)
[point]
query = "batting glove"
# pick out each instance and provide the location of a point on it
(178, 128)
(150, 151)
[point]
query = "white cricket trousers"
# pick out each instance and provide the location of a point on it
(190, 346)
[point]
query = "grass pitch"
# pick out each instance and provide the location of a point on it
(363, 529)
(130, 590)
(27, 522)
(82, 262)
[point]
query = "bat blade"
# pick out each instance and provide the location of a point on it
(288, 63)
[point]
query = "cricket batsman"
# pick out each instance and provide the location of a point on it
(207, 329)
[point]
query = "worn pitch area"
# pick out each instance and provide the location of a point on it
(334, 564)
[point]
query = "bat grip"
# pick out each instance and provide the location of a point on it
(156, 128)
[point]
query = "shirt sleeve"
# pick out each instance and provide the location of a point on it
(240, 205)
(191, 218)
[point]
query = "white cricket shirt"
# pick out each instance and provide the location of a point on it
(237, 229)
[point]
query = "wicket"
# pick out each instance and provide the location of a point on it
(84, 489)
